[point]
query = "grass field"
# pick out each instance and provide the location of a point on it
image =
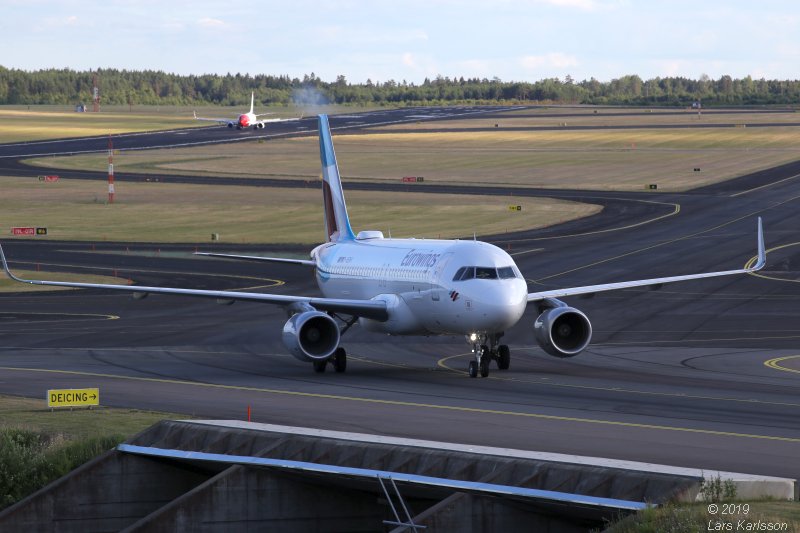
(33, 414)
(597, 159)
(38, 446)
(17, 125)
(162, 212)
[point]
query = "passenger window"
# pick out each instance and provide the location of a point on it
(485, 273)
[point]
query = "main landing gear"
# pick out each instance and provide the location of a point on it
(486, 348)
(338, 360)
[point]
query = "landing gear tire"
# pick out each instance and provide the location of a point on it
(473, 369)
(503, 357)
(484, 367)
(339, 360)
(319, 366)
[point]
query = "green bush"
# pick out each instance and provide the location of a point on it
(29, 460)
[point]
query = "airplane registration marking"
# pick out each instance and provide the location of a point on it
(399, 403)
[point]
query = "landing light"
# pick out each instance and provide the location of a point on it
(473, 337)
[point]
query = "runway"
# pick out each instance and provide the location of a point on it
(703, 374)
(183, 137)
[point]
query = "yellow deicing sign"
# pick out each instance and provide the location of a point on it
(72, 397)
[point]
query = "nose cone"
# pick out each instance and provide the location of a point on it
(498, 304)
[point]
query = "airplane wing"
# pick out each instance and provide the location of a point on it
(305, 262)
(218, 120)
(363, 308)
(653, 282)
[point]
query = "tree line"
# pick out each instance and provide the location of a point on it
(130, 87)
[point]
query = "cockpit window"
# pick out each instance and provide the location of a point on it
(465, 273)
(469, 273)
(506, 272)
(485, 273)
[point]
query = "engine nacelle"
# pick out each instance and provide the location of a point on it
(311, 336)
(563, 331)
(259, 126)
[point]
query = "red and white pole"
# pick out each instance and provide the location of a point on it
(110, 170)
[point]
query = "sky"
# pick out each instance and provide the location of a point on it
(514, 40)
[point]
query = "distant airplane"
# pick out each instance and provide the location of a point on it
(411, 287)
(246, 120)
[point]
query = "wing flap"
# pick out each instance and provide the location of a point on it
(373, 309)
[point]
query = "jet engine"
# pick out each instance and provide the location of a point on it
(311, 336)
(563, 331)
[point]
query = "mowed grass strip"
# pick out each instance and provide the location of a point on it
(36, 123)
(597, 159)
(18, 125)
(33, 414)
(163, 212)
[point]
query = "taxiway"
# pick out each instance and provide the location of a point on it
(703, 374)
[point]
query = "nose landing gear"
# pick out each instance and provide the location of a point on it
(485, 353)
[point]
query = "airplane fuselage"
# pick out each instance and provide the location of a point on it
(430, 286)
(245, 120)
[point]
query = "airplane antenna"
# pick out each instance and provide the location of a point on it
(474, 236)
(390, 233)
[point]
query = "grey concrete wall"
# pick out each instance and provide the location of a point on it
(120, 491)
(246, 500)
(106, 494)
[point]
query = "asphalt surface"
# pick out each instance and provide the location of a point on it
(703, 374)
(217, 134)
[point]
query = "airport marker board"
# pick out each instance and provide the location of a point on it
(73, 397)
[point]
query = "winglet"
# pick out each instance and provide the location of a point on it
(762, 254)
(194, 113)
(8, 271)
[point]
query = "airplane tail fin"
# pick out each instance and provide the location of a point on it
(252, 100)
(337, 223)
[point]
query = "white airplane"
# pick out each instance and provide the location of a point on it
(246, 120)
(411, 287)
